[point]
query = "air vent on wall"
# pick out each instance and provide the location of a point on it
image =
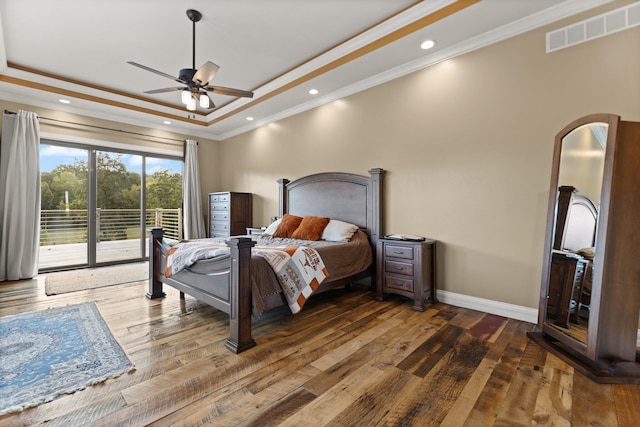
(598, 26)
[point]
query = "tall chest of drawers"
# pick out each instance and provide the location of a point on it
(229, 213)
(407, 268)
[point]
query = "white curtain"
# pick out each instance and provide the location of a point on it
(19, 196)
(192, 203)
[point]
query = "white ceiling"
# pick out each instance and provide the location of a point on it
(78, 49)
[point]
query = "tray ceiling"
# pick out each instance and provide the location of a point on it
(280, 49)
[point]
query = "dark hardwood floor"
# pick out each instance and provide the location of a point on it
(346, 359)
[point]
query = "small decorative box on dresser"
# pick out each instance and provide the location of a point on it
(407, 268)
(229, 213)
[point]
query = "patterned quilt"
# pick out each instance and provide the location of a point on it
(299, 269)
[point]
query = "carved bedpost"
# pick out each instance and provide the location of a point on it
(283, 203)
(565, 195)
(155, 285)
(377, 178)
(240, 295)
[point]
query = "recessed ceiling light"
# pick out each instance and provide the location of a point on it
(249, 118)
(167, 122)
(427, 44)
(313, 91)
(64, 101)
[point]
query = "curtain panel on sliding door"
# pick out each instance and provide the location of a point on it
(191, 199)
(19, 196)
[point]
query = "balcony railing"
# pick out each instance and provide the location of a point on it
(59, 227)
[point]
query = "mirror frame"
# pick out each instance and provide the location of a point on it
(589, 348)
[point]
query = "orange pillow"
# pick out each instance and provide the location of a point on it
(311, 228)
(287, 226)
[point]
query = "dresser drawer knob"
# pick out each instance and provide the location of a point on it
(398, 268)
(398, 252)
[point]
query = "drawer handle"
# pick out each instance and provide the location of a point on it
(398, 252)
(399, 284)
(398, 268)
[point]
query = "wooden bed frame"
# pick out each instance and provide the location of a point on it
(347, 197)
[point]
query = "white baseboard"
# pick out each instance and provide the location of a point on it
(498, 308)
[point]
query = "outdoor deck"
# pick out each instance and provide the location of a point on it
(76, 253)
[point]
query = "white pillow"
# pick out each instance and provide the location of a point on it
(339, 231)
(273, 227)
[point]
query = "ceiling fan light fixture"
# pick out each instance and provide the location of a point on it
(195, 80)
(185, 97)
(204, 101)
(191, 105)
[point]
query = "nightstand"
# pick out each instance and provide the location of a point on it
(407, 268)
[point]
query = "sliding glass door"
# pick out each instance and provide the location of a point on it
(64, 224)
(118, 217)
(98, 203)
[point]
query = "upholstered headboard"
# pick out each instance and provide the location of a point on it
(356, 199)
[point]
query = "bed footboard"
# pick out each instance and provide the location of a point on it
(238, 305)
(155, 252)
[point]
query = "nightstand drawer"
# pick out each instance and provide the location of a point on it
(398, 268)
(392, 282)
(398, 251)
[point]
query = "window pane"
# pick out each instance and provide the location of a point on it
(118, 179)
(63, 204)
(164, 195)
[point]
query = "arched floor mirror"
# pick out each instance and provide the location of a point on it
(590, 290)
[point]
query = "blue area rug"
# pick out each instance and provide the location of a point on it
(51, 352)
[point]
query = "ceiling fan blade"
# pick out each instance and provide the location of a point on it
(205, 73)
(229, 91)
(160, 73)
(166, 89)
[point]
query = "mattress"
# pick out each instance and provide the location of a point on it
(341, 260)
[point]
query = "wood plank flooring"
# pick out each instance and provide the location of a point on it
(345, 360)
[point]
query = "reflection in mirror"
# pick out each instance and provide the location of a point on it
(580, 185)
(582, 160)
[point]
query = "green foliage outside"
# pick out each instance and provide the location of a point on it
(118, 188)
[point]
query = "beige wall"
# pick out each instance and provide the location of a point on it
(207, 149)
(467, 145)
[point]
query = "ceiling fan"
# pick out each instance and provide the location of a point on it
(195, 81)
